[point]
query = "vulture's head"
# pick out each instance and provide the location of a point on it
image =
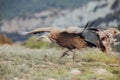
(114, 31)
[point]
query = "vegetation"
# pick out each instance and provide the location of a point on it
(5, 40)
(19, 63)
(37, 44)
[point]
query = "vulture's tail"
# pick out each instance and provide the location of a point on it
(89, 44)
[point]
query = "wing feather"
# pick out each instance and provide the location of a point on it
(38, 30)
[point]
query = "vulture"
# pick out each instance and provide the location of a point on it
(71, 38)
(106, 38)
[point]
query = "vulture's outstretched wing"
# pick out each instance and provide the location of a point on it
(73, 30)
(77, 29)
(38, 30)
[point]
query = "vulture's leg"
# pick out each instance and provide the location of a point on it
(74, 56)
(65, 53)
(108, 48)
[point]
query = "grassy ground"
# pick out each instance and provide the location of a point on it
(20, 63)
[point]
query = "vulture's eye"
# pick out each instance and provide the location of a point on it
(103, 38)
(115, 32)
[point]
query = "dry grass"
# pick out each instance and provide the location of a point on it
(20, 63)
(5, 40)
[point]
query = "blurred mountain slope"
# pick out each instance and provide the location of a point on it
(10, 9)
(106, 13)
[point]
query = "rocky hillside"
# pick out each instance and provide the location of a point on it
(105, 12)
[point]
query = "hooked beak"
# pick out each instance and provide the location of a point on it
(119, 33)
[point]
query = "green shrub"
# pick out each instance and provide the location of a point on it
(32, 43)
(98, 56)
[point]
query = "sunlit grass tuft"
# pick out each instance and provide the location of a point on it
(98, 56)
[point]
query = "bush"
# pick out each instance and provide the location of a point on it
(98, 56)
(5, 40)
(32, 43)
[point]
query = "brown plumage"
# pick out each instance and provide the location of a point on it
(72, 41)
(65, 38)
(106, 38)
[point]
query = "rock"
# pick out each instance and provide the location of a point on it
(100, 71)
(75, 72)
(101, 78)
(43, 66)
(51, 79)
(16, 78)
(114, 65)
(69, 64)
(79, 64)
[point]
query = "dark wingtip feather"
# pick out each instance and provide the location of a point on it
(89, 44)
(89, 24)
(93, 29)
